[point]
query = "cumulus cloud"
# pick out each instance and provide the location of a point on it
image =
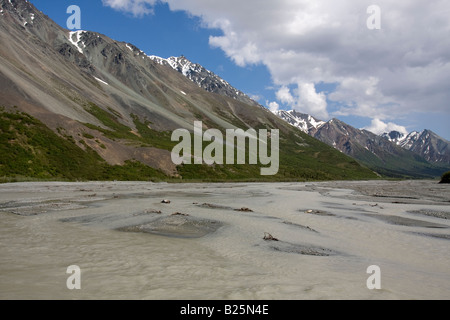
(284, 95)
(383, 74)
(311, 102)
(136, 7)
(255, 97)
(379, 127)
(273, 106)
(361, 97)
(304, 99)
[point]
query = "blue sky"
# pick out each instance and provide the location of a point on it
(320, 60)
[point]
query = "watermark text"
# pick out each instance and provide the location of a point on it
(223, 151)
(74, 21)
(374, 281)
(74, 281)
(374, 20)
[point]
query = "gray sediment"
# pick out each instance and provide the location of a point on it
(179, 226)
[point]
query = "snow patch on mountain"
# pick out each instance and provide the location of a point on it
(128, 46)
(203, 77)
(100, 80)
(402, 140)
(408, 141)
(304, 122)
(75, 39)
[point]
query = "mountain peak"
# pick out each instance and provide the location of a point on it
(21, 9)
(393, 136)
(204, 78)
(303, 121)
(426, 143)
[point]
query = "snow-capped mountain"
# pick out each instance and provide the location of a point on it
(392, 154)
(394, 136)
(305, 122)
(204, 78)
(426, 144)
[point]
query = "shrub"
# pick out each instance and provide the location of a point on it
(445, 178)
(88, 136)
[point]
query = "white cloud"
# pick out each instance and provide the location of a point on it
(362, 97)
(255, 97)
(383, 74)
(136, 7)
(379, 127)
(304, 99)
(311, 102)
(273, 106)
(284, 95)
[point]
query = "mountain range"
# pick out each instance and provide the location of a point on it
(427, 144)
(423, 154)
(78, 105)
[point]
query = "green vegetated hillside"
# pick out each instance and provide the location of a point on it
(30, 150)
(400, 165)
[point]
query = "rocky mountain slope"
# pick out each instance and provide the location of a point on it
(305, 122)
(202, 77)
(388, 154)
(80, 105)
(427, 144)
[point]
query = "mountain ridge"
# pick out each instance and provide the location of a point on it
(387, 154)
(118, 107)
(425, 143)
(204, 78)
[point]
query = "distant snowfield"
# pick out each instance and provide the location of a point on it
(129, 245)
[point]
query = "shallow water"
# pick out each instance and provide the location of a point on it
(46, 227)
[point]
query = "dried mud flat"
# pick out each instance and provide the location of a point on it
(225, 241)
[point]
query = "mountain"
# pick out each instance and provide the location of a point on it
(306, 123)
(394, 136)
(80, 105)
(202, 77)
(383, 154)
(427, 144)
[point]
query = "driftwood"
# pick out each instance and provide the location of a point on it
(269, 237)
(244, 210)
